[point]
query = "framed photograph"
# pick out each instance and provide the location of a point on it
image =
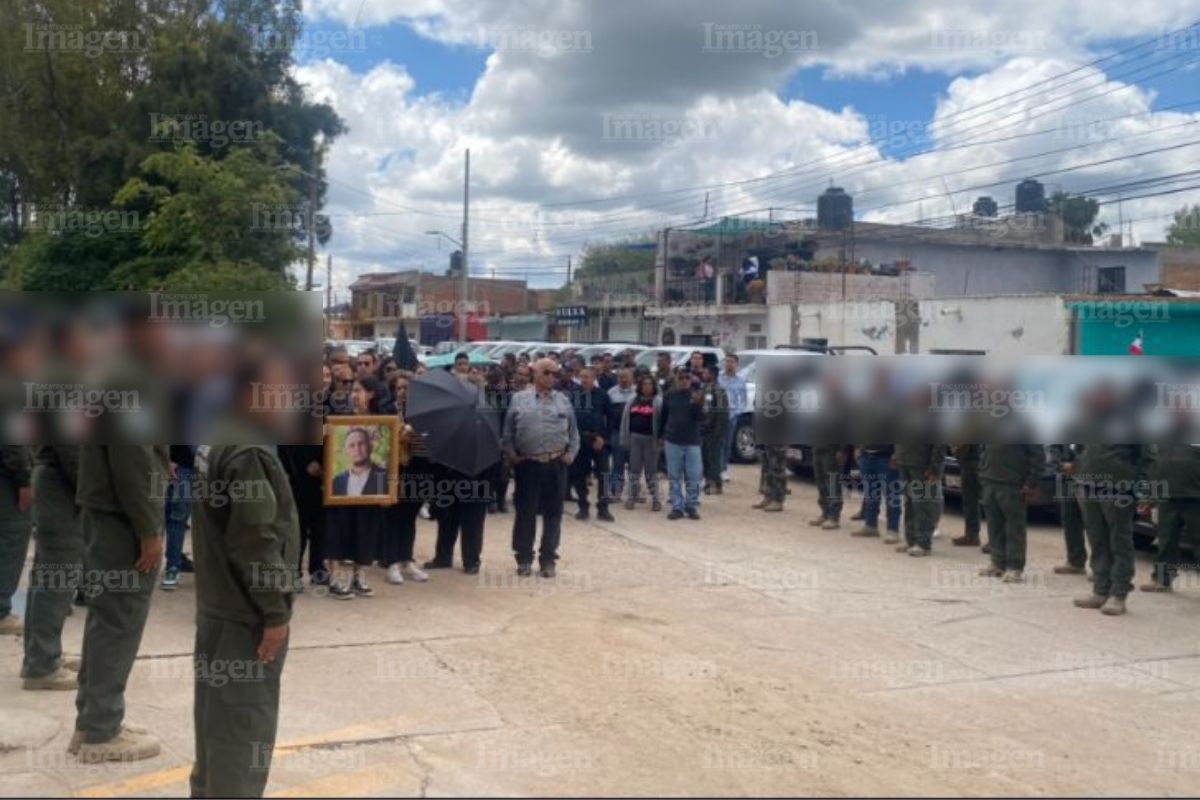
(362, 460)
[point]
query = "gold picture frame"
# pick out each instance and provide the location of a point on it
(377, 441)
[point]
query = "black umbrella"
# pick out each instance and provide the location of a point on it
(460, 431)
(402, 351)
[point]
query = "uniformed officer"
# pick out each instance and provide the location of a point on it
(1008, 473)
(920, 467)
(773, 480)
(971, 491)
(827, 473)
(1109, 477)
(121, 517)
(713, 432)
(246, 541)
(1070, 513)
(540, 439)
(16, 499)
(57, 564)
(1178, 511)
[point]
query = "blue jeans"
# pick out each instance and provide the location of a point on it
(620, 458)
(727, 450)
(684, 462)
(179, 508)
(879, 483)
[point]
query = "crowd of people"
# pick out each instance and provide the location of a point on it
(597, 435)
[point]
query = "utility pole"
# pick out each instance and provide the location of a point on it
(706, 205)
(466, 268)
(568, 272)
(328, 293)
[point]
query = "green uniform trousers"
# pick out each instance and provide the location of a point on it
(236, 709)
(1072, 525)
(57, 563)
(1178, 521)
(774, 473)
(1006, 519)
(972, 498)
(14, 543)
(922, 506)
(118, 604)
(1109, 526)
(828, 477)
(711, 457)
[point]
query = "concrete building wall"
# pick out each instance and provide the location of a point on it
(999, 325)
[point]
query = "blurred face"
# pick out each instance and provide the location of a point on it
(731, 366)
(400, 390)
(587, 380)
(544, 379)
(462, 366)
(682, 381)
(366, 364)
(646, 387)
(358, 449)
(697, 362)
(664, 362)
(625, 378)
(342, 376)
(326, 375)
(522, 377)
(361, 398)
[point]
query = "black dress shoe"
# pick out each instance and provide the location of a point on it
(547, 571)
(582, 514)
(524, 570)
(186, 564)
(693, 514)
(605, 516)
(435, 564)
(675, 514)
(473, 569)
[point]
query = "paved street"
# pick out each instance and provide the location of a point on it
(744, 654)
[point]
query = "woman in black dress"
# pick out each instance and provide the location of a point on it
(396, 544)
(352, 533)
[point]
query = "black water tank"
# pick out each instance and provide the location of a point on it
(835, 209)
(1031, 197)
(985, 207)
(456, 263)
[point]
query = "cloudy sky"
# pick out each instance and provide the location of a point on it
(598, 121)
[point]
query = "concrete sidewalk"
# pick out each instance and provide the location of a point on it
(743, 654)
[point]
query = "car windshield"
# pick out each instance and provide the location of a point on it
(649, 358)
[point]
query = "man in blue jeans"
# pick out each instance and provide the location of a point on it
(735, 388)
(880, 483)
(682, 411)
(179, 511)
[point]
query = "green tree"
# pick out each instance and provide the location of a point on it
(618, 267)
(1078, 215)
(1185, 230)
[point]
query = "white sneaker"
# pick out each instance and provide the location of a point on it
(725, 476)
(394, 575)
(425, 512)
(937, 533)
(414, 572)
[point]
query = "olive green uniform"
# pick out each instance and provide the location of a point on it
(245, 547)
(118, 496)
(15, 471)
(774, 473)
(57, 557)
(922, 500)
(1069, 510)
(828, 477)
(714, 427)
(1107, 476)
(971, 488)
(1179, 510)
(1004, 470)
